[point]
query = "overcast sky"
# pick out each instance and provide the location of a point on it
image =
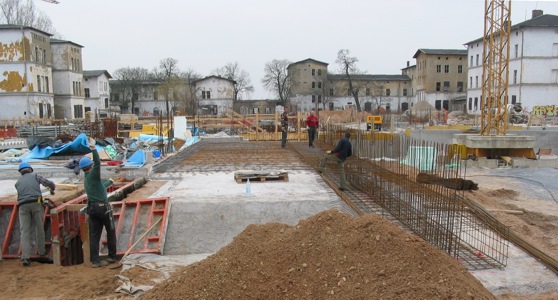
(204, 35)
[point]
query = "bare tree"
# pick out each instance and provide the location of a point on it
(24, 13)
(232, 71)
(327, 86)
(191, 96)
(129, 82)
(348, 66)
(277, 79)
(168, 74)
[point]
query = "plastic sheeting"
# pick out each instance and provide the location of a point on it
(137, 160)
(79, 145)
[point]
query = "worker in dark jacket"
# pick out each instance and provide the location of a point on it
(31, 210)
(284, 127)
(339, 154)
(98, 208)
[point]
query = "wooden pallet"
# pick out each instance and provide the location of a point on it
(243, 177)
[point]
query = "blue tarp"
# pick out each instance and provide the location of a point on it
(79, 145)
(137, 159)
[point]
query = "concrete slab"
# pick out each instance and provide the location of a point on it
(208, 211)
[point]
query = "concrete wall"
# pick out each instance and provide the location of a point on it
(547, 138)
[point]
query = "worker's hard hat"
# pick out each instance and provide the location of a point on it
(24, 165)
(85, 162)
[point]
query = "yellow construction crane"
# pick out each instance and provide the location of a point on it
(495, 71)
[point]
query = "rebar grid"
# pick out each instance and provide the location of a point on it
(386, 167)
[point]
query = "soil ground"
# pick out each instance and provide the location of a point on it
(326, 275)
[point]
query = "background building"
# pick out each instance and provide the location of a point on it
(533, 66)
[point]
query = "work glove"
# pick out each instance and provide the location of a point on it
(52, 192)
(91, 143)
(328, 152)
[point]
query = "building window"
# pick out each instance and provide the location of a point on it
(87, 108)
(514, 99)
(460, 69)
(470, 103)
(471, 61)
(446, 68)
(471, 82)
(44, 57)
(438, 68)
(155, 94)
(367, 91)
(404, 92)
(267, 110)
(460, 86)
(208, 94)
(446, 86)
(313, 84)
(41, 110)
(319, 98)
(78, 111)
(313, 72)
(319, 72)
(476, 103)
(476, 81)
(106, 103)
(38, 83)
(87, 93)
(313, 98)
(37, 55)
(388, 92)
(477, 59)
(514, 76)
(331, 92)
(49, 111)
(438, 104)
(438, 86)
(516, 50)
(47, 85)
(203, 94)
(319, 84)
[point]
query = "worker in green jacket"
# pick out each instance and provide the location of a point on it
(98, 208)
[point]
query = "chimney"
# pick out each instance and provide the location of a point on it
(407, 63)
(537, 13)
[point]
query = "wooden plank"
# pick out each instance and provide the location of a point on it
(62, 186)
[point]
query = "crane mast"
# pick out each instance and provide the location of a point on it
(495, 71)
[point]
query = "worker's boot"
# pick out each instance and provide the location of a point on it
(26, 262)
(99, 264)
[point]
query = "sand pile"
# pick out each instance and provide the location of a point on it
(328, 256)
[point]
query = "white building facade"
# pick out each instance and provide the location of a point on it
(533, 67)
(69, 101)
(96, 90)
(215, 95)
(26, 80)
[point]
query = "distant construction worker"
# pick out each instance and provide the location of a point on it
(98, 208)
(312, 124)
(339, 154)
(31, 210)
(284, 127)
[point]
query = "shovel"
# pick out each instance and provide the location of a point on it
(119, 263)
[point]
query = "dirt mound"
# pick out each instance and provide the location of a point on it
(328, 256)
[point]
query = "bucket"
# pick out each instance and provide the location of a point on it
(156, 153)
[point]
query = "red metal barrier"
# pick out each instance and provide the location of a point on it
(10, 234)
(63, 225)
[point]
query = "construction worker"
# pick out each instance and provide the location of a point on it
(312, 124)
(339, 154)
(284, 127)
(98, 208)
(31, 210)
